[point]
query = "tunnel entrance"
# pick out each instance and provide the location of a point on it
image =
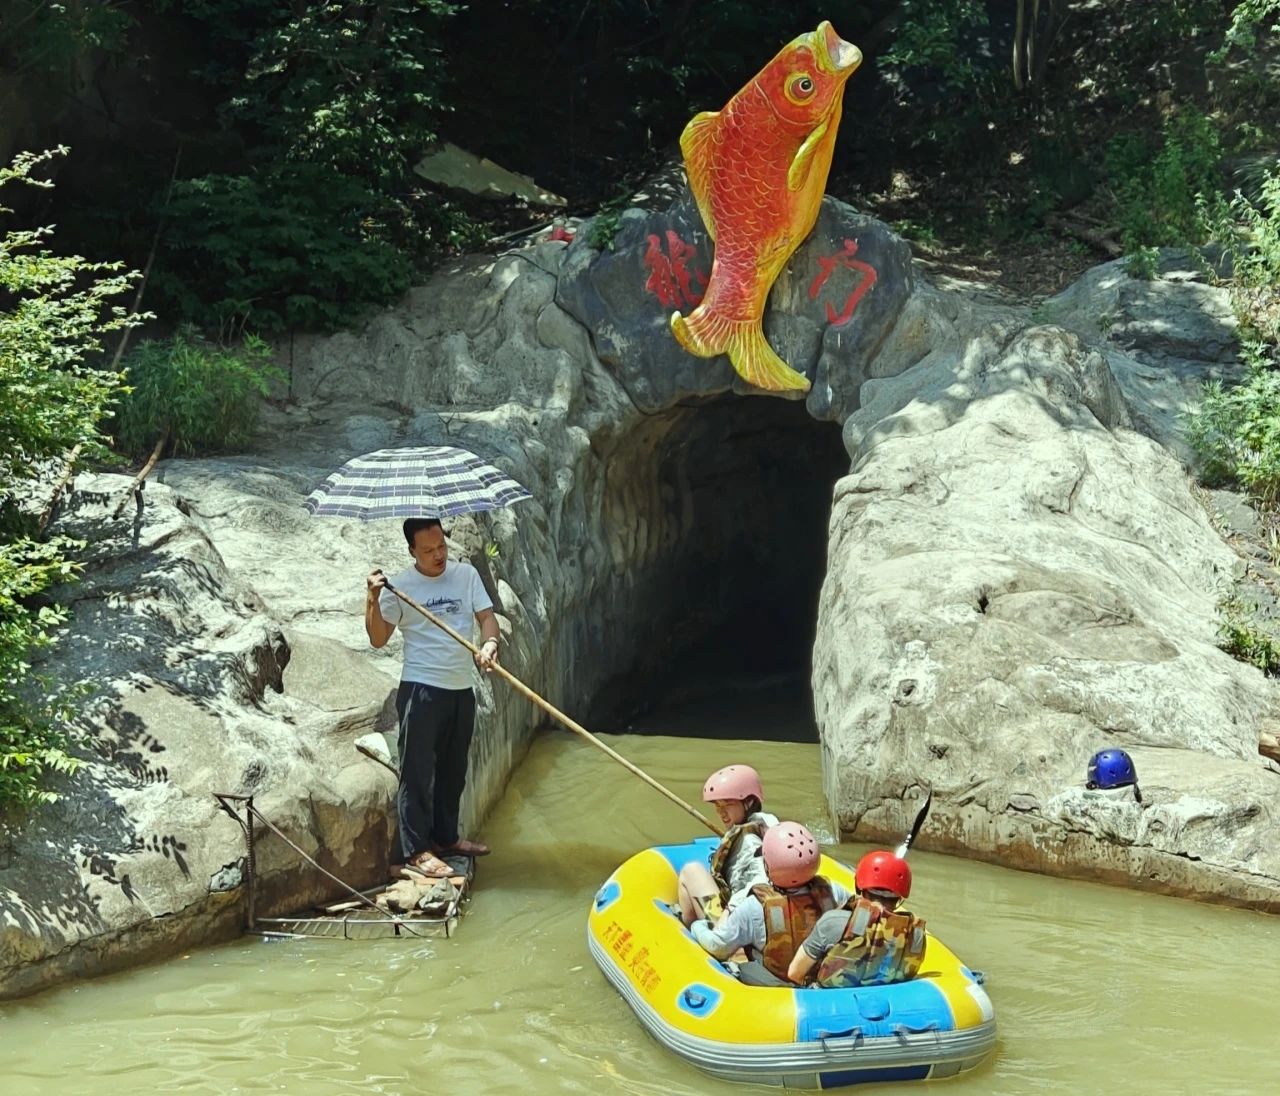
(752, 480)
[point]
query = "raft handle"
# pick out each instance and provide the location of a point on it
(854, 1042)
(904, 1031)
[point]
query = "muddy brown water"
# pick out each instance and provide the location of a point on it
(1096, 989)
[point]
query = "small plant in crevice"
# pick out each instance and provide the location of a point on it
(924, 234)
(1140, 262)
(1236, 431)
(604, 227)
(1242, 635)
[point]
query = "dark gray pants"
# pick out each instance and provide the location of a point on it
(435, 735)
(755, 973)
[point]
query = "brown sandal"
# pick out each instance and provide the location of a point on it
(429, 865)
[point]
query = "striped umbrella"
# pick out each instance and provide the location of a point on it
(431, 481)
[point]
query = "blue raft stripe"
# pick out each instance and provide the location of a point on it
(914, 1006)
(697, 851)
(840, 1078)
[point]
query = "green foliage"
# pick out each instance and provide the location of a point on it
(54, 312)
(352, 87)
(34, 719)
(38, 36)
(1141, 262)
(1257, 254)
(1236, 433)
(1165, 195)
(945, 70)
(329, 105)
(1242, 635)
(934, 35)
(919, 233)
(292, 246)
(203, 396)
(1248, 18)
(605, 224)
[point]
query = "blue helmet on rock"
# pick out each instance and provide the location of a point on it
(1111, 769)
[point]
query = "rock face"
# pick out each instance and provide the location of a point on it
(1163, 338)
(1017, 572)
(191, 692)
(1019, 578)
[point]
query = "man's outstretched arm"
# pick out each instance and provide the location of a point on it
(378, 630)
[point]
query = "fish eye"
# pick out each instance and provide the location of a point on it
(800, 87)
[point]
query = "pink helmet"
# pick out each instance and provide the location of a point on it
(733, 782)
(790, 855)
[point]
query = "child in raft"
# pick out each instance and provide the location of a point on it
(870, 940)
(775, 917)
(736, 865)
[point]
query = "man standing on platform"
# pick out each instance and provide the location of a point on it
(435, 702)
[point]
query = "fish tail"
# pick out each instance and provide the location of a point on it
(706, 334)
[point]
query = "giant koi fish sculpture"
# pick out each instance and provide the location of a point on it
(758, 170)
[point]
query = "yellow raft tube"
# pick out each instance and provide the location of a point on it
(937, 1025)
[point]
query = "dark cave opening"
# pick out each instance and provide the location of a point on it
(753, 479)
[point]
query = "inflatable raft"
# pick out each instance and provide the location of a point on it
(937, 1025)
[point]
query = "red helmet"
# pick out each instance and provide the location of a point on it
(733, 782)
(882, 871)
(790, 855)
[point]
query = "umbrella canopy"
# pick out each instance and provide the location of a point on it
(431, 481)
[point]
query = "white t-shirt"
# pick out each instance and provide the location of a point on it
(430, 655)
(746, 864)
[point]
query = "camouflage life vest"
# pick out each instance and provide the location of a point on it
(788, 918)
(878, 947)
(728, 844)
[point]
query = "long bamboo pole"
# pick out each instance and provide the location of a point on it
(557, 714)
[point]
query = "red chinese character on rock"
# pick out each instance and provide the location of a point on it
(843, 260)
(670, 279)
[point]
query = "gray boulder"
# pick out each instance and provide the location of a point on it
(189, 692)
(1017, 579)
(1163, 338)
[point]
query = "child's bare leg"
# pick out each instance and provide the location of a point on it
(695, 884)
